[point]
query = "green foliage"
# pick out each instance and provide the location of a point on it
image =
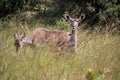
(63, 23)
(17, 6)
(97, 11)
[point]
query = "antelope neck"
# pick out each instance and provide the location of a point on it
(73, 36)
(74, 31)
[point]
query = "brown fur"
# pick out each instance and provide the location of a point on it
(42, 35)
(53, 37)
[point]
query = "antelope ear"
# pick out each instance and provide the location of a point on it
(24, 35)
(16, 35)
(67, 17)
(82, 17)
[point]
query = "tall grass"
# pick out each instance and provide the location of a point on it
(97, 57)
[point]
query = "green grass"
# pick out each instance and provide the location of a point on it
(97, 57)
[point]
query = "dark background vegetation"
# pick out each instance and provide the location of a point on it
(105, 13)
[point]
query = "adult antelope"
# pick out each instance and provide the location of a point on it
(41, 35)
(74, 24)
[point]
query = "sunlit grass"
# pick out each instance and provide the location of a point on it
(97, 58)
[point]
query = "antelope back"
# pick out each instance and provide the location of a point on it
(54, 36)
(58, 36)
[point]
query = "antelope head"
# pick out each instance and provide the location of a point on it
(74, 21)
(19, 40)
